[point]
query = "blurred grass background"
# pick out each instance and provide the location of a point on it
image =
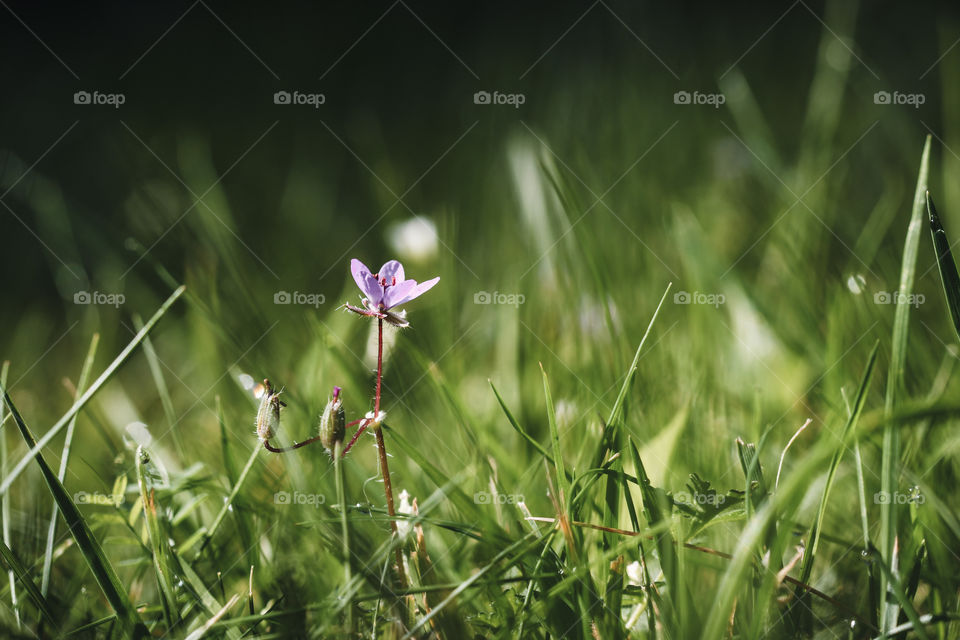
(790, 200)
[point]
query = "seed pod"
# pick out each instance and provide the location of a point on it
(268, 415)
(333, 422)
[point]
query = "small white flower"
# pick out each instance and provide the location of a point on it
(404, 526)
(375, 421)
(634, 574)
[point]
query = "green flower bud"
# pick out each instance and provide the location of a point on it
(268, 415)
(333, 422)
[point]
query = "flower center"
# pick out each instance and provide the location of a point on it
(383, 281)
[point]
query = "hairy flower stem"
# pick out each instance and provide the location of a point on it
(382, 452)
(356, 436)
(297, 445)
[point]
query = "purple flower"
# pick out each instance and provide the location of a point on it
(385, 290)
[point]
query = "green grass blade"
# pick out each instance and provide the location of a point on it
(158, 537)
(902, 598)
(202, 631)
(945, 262)
(209, 532)
(64, 459)
(890, 458)
(153, 361)
(657, 511)
(610, 441)
(228, 464)
(21, 573)
(4, 501)
(615, 419)
(89, 546)
(94, 388)
(563, 486)
(463, 586)
(516, 425)
(815, 531)
(780, 506)
(465, 503)
(241, 509)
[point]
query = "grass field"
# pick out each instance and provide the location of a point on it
(689, 371)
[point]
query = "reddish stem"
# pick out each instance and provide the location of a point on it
(353, 440)
(376, 402)
(297, 445)
(382, 452)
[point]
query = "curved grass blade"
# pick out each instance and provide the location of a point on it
(94, 388)
(890, 457)
(516, 425)
(89, 546)
(945, 262)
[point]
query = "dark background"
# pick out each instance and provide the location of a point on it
(397, 96)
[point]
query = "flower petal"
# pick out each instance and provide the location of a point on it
(373, 289)
(359, 271)
(416, 292)
(390, 270)
(365, 280)
(397, 292)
